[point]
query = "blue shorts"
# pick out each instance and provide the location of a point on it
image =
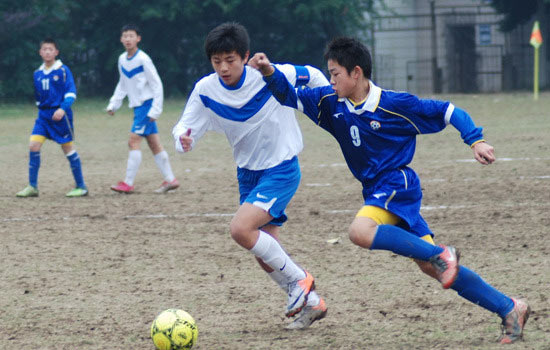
(59, 131)
(399, 192)
(270, 189)
(142, 125)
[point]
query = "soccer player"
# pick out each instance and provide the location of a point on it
(266, 139)
(376, 130)
(140, 81)
(55, 92)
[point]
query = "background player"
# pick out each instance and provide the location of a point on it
(140, 81)
(376, 130)
(266, 139)
(55, 92)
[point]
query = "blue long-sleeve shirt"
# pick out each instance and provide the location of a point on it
(380, 134)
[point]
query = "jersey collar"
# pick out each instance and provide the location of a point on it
(239, 83)
(129, 58)
(56, 65)
(370, 105)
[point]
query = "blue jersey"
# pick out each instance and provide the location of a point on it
(378, 135)
(52, 87)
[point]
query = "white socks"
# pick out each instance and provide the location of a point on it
(134, 160)
(270, 251)
(163, 164)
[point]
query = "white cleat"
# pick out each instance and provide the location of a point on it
(309, 315)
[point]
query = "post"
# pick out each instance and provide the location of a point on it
(436, 81)
(536, 77)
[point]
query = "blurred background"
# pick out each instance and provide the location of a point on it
(423, 46)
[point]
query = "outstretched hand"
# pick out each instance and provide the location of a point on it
(484, 153)
(186, 140)
(260, 62)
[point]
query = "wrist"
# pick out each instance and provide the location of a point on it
(476, 142)
(268, 71)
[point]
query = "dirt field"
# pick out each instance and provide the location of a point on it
(92, 273)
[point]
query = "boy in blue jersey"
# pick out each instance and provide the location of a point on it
(265, 139)
(376, 130)
(140, 81)
(55, 92)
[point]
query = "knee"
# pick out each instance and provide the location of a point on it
(239, 231)
(362, 234)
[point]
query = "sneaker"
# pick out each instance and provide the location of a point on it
(298, 292)
(446, 265)
(122, 187)
(28, 191)
(77, 192)
(168, 186)
(309, 315)
(514, 322)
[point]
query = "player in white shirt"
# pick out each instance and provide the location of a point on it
(140, 81)
(266, 139)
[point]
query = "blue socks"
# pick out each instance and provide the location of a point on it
(468, 284)
(34, 166)
(399, 241)
(472, 287)
(76, 168)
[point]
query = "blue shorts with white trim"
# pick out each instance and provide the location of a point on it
(270, 189)
(399, 192)
(142, 125)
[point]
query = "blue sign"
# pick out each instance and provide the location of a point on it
(485, 34)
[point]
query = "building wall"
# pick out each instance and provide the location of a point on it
(470, 53)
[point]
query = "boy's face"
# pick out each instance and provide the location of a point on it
(48, 52)
(229, 66)
(342, 82)
(130, 40)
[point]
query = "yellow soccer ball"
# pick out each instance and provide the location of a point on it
(174, 329)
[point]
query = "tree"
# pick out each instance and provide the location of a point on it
(518, 12)
(173, 33)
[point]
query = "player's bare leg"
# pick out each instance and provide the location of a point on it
(244, 230)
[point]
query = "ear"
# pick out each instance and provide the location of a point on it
(245, 59)
(357, 72)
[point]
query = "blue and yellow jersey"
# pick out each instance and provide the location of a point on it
(52, 87)
(378, 134)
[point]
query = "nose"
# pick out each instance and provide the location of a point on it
(224, 66)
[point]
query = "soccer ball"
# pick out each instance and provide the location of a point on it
(174, 329)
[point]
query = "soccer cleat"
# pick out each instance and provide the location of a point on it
(309, 315)
(28, 191)
(122, 187)
(446, 265)
(298, 292)
(168, 186)
(77, 192)
(514, 322)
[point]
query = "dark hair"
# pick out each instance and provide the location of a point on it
(227, 37)
(130, 26)
(49, 41)
(350, 52)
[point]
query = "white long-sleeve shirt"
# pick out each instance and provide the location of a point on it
(261, 132)
(139, 81)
